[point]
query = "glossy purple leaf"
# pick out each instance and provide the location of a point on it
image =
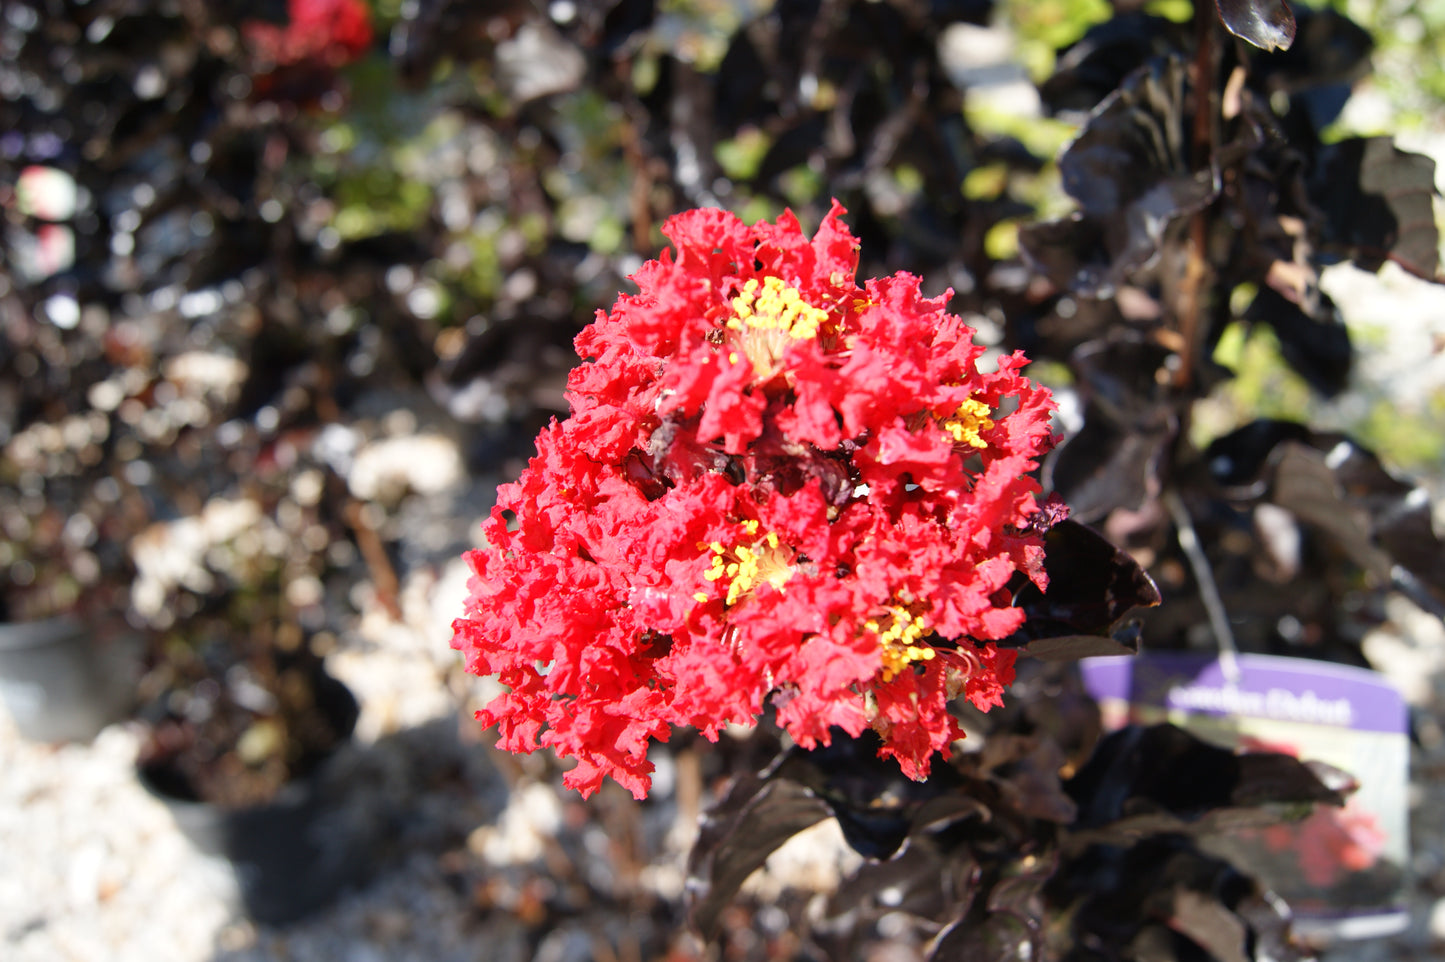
(1313, 337)
(758, 815)
(1268, 24)
(1130, 171)
(996, 937)
(1165, 899)
(1167, 771)
(1093, 586)
(1341, 490)
(1378, 203)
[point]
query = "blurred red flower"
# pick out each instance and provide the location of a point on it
(773, 482)
(333, 32)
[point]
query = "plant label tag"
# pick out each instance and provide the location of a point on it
(1340, 869)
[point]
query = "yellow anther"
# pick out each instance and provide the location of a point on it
(897, 643)
(749, 565)
(766, 316)
(776, 306)
(972, 417)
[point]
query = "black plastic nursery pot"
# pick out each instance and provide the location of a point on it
(60, 682)
(292, 855)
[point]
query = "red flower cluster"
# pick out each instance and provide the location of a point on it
(1331, 843)
(773, 481)
(333, 32)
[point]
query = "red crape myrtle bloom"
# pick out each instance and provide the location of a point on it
(774, 482)
(334, 32)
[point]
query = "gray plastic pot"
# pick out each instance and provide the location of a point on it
(60, 683)
(292, 855)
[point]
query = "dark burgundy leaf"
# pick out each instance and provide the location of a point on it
(1071, 253)
(1401, 517)
(910, 882)
(872, 834)
(1321, 105)
(1339, 488)
(1030, 780)
(1265, 777)
(1059, 326)
(1216, 823)
(997, 937)
(1009, 930)
(1237, 459)
(1378, 202)
(1129, 170)
(758, 815)
(1135, 138)
(1329, 54)
(1075, 647)
(1013, 153)
(1167, 771)
(1303, 483)
(1129, 424)
(1092, 587)
(1269, 920)
(1329, 49)
(625, 25)
(1316, 345)
(1207, 923)
(875, 805)
(1133, 151)
(1094, 66)
(1378, 521)
(1162, 898)
(1268, 24)
(1123, 374)
(1021, 894)
(944, 810)
(1335, 779)
(1048, 701)
(1106, 466)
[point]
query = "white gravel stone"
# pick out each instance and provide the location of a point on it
(91, 867)
(424, 463)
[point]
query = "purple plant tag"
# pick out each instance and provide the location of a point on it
(1340, 869)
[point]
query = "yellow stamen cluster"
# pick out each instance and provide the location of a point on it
(972, 417)
(766, 315)
(747, 566)
(774, 306)
(897, 641)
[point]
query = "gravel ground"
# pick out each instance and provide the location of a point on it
(93, 867)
